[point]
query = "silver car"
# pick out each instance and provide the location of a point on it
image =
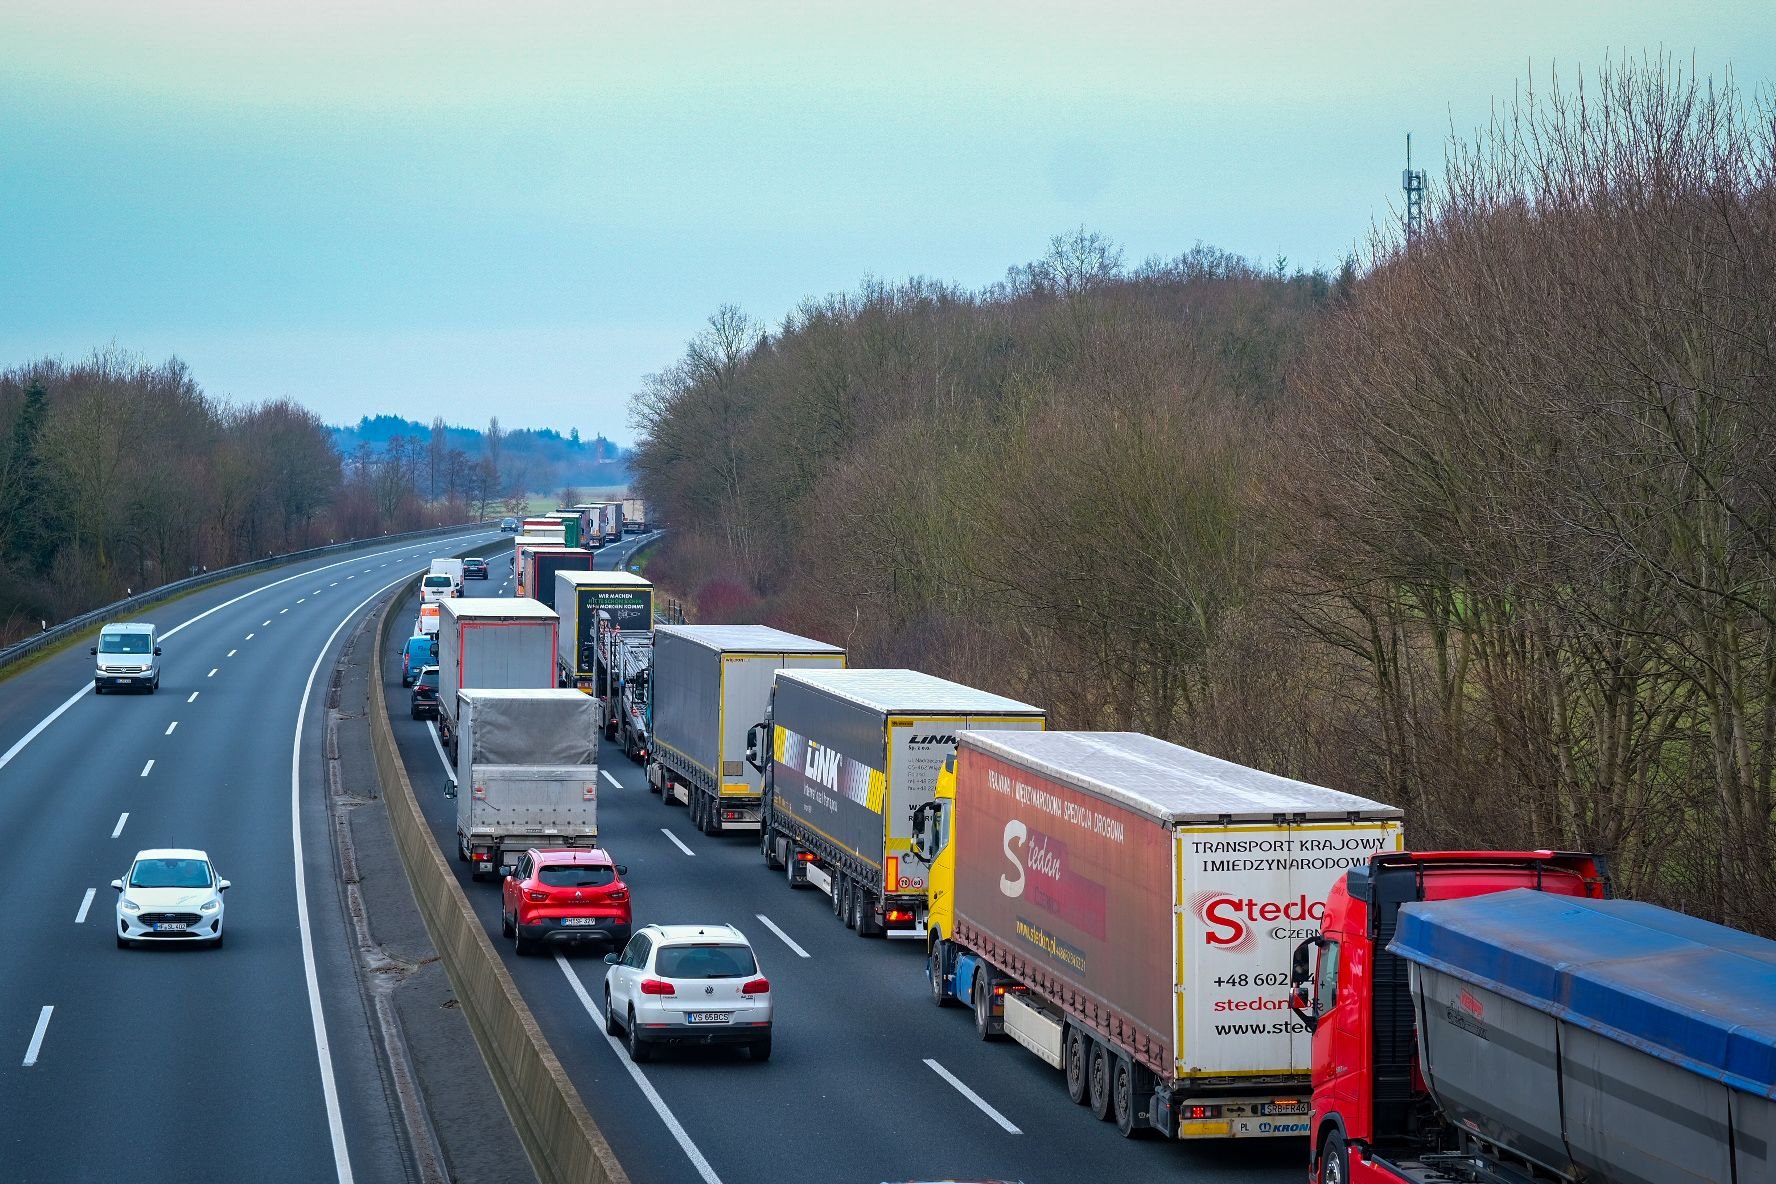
(687, 984)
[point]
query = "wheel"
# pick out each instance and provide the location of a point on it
(1122, 1098)
(789, 863)
(760, 1049)
(611, 1026)
(1078, 1058)
(768, 848)
(694, 809)
(934, 966)
(98, 689)
(842, 899)
(1334, 1163)
(156, 685)
(521, 945)
(983, 1006)
(505, 924)
(712, 817)
(462, 852)
(217, 944)
(862, 915)
(124, 943)
(1100, 1100)
(640, 1051)
(414, 712)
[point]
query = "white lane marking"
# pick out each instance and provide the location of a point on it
(249, 637)
(334, 584)
(323, 1049)
(647, 1087)
(301, 600)
(972, 1096)
(786, 938)
(351, 577)
(212, 673)
(193, 698)
(147, 766)
(121, 819)
(609, 778)
(676, 843)
(85, 903)
(281, 612)
(438, 747)
(232, 653)
(170, 728)
(37, 1036)
(19, 745)
(264, 623)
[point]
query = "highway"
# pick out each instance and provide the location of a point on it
(248, 1063)
(868, 1081)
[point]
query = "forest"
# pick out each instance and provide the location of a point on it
(1480, 525)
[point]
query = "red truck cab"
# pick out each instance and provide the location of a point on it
(1372, 1119)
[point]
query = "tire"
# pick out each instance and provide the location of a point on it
(156, 685)
(983, 1005)
(1122, 1098)
(611, 1026)
(1099, 1098)
(1333, 1166)
(934, 966)
(843, 891)
(97, 689)
(521, 945)
(712, 817)
(462, 852)
(217, 944)
(760, 1049)
(789, 863)
(694, 809)
(860, 911)
(640, 1051)
(124, 943)
(767, 848)
(506, 929)
(1077, 1062)
(414, 712)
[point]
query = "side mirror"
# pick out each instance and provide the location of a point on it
(1301, 983)
(505, 871)
(622, 869)
(117, 884)
(94, 651)
(157, 651)
(612, 959)
(224, 885)
(754, 742)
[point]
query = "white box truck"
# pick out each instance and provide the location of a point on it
(710, 685)
(526, 775)
(1126, 909)
(492, 644)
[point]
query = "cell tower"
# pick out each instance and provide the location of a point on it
(1412, 181)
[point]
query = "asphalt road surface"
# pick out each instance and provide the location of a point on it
(868, 1081)
(252, 1062)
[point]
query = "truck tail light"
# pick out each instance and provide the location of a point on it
(482, 856)
(536, 897)
(898, 916)
(805, 856)
(654, 986)
(1201, 1112)
(758, 986)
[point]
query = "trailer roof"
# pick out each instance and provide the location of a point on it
(1167, 781)
(497, 607)
(604, 577)
(1690, 992)
(908, 690)
(748, 639)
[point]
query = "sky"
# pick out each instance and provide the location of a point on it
(522, 209)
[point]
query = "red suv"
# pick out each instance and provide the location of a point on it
(565, 896)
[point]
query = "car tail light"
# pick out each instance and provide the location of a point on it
(654, 986)
(758, 986)
(536, 897)
(619, 894)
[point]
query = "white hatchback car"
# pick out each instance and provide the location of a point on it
(687, 984)
(170, 894)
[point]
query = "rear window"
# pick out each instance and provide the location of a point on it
(570, 875)
(429, 677)
(711, 961)
(438, 581)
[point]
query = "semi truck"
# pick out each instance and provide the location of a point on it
(489, 643)
(628, 703)
(605, 523)
(579, 596)
(533, 538)
(712, 682)
(634, 516)
(1496, 1017)
(537, 566)
(847, 757)
(574, 526)
(526, 775)
(1125, 909)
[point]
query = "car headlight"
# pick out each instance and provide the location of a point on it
(128, 905)
(210, 905)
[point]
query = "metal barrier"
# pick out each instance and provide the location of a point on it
(74, 625)
(564, 1143)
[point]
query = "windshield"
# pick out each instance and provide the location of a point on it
(170, 873)
(123, 643)
(705, 962)
(569, 875)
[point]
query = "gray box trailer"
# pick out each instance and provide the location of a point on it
(489, 643)
(579, 596)
(526, 775)
(851, 755)
(711, 684)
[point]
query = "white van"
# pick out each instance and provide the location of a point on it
(449, 567)
(436, 586)
(127, 656)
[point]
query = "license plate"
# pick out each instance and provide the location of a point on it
(1283, 1108)
(579, 920)
(169, 927)
(711, 1017)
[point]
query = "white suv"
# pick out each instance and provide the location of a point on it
(688, 984)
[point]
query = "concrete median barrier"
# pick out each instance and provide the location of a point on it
(564, 1143)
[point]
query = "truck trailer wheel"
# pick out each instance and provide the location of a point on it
(1078, 1061)
(768, 847)
(1102, 1104)
(1334, 1163)
(843, 904)
(1128, 1097)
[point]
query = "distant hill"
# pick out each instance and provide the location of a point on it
(538, 459)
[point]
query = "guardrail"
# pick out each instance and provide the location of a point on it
(74, 625)
(564, 1143)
